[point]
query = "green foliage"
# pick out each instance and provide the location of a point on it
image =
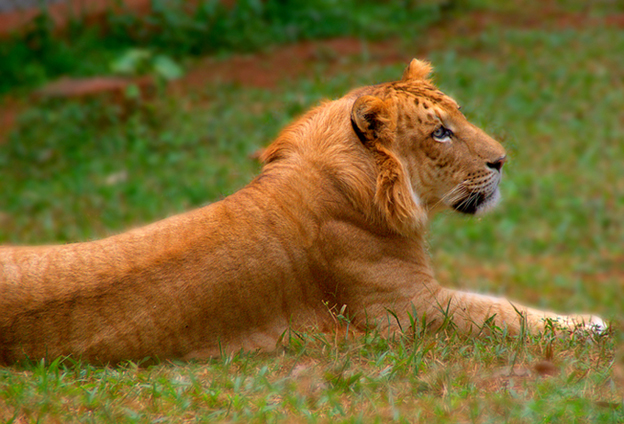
(248, 25)
(140, 62)
(174, 30)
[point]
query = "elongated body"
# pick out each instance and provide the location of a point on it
(337, 217)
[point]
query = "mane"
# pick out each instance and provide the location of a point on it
(323, 140)
(319, 131)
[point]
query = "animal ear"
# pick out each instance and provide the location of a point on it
(417, 70)
(371, 119)
(374, 122)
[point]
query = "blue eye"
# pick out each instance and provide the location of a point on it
(442, 134)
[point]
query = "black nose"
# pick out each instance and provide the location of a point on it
(497, 164)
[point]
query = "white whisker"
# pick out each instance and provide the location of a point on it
(452, 195)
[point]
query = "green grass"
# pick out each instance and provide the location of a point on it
(81, 170)
(318, 378)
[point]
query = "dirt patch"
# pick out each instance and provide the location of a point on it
(267, 69)
(87, 87)
(9, 111)
(546, 15)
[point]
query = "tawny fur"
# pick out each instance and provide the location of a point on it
(337, 217)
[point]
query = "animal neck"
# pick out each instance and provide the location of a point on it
(322, 149)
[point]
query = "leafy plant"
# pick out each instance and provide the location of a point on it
(141, 62)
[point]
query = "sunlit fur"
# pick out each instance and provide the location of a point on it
(335, 222)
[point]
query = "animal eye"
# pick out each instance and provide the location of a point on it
(442, 134)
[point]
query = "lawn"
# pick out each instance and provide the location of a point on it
(553, 93)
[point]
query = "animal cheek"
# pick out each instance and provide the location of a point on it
(443, 162)
(433, 154)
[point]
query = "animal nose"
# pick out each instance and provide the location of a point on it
(497, 164)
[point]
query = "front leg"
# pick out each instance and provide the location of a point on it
(469, 312)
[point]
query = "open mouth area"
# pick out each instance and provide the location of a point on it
(477, 202)
(470, 204)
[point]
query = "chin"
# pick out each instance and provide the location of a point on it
(478, 203)
(489, 203)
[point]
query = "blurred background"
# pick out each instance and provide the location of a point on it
(118, 113)
(13, 5)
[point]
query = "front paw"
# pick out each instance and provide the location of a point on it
(594, 324)
(577, 324)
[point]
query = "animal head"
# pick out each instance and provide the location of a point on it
(428, 155)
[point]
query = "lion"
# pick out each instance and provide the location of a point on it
(336, 220)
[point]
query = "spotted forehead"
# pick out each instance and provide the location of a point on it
(424, 92)
(421, 93)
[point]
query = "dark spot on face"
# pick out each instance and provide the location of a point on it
(442, 162)
(432, 154)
